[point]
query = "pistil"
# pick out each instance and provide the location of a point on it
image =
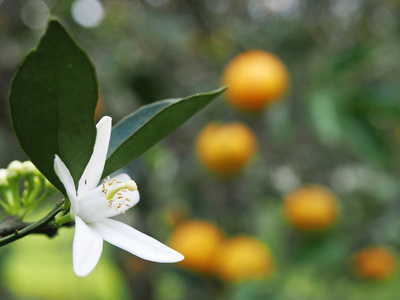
(129, 185)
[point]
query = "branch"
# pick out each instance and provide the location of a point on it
(23, 229)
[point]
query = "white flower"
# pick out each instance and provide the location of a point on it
(92, 206)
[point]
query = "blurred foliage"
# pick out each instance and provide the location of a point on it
(338, 126)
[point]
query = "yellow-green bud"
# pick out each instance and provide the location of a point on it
(3, 177)
(14, 169)
(29, 168)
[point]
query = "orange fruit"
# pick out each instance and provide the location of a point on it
(255, 79)
(242, 258)
(375, 263)
(227, 148)
(197, 241)
(311, 208)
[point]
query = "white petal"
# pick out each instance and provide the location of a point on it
(135, 242)
(92, 174)
(86, 249)
(66, 179)
(123, 177)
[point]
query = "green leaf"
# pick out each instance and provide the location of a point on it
(139, 131)
(326, 116)
(52, 101)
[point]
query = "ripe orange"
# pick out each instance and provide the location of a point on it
(375, 263)
(226, 149)
(197, 241)
(255, 78)
(311, 208)
(242, 258)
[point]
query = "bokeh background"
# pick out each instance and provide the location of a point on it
(337, 126)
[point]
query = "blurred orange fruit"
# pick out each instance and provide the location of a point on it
(242, 258)
(375, 263)
(197, 241)
(227, 148)
(255, 78)
(311, 208)
(174, 217)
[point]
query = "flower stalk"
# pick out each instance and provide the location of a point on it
(30, 228)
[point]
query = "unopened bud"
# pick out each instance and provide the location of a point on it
(29, 168)
(14, 169)
(3, 177)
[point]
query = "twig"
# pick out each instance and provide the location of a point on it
(19, 231)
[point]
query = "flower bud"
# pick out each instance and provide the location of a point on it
(29, 168)
(14, 169)
(3, 177)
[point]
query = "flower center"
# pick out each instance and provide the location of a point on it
(128, 185)
(112, 188)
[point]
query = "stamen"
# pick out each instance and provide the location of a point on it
(120, 197)
(129, 185)
(122, 211)
(108, 178)
(127, 199)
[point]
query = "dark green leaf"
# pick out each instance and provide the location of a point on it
(139, 131)
(131, 123)
(52, 100)
(365, 142)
